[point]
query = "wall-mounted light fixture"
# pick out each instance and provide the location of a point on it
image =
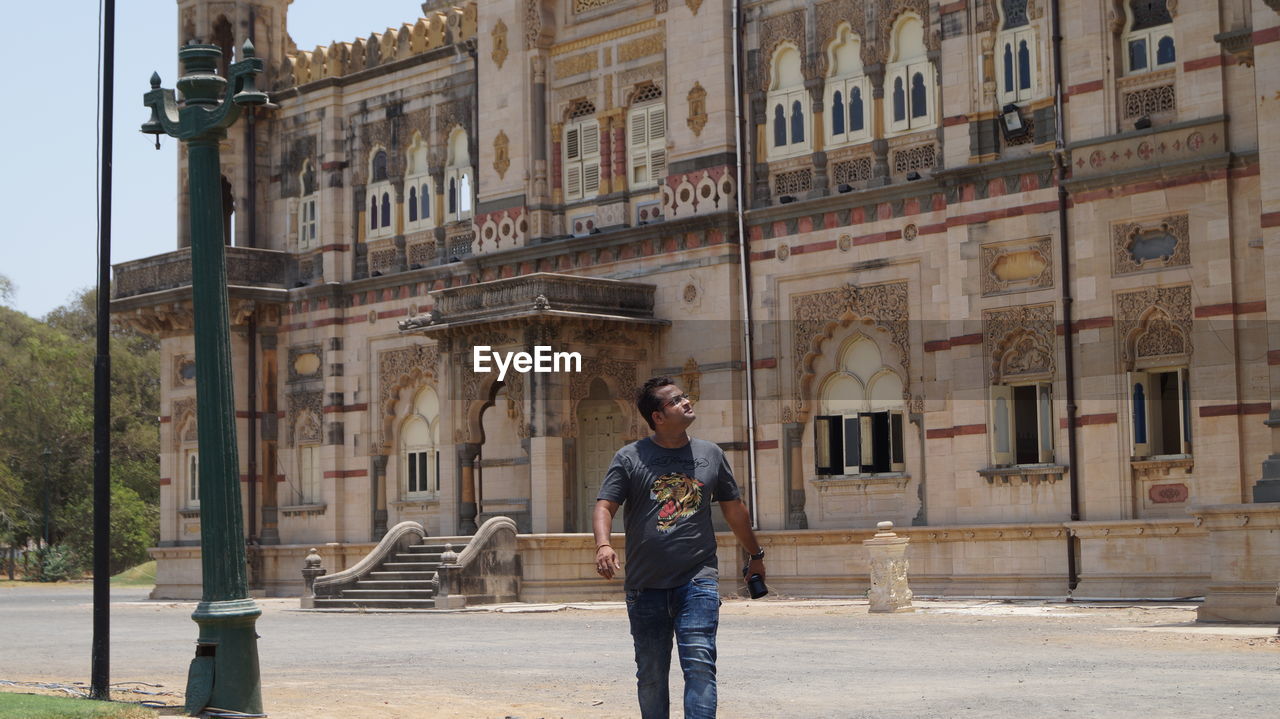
(1011, 122)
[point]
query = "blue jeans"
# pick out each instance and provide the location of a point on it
(691, 613)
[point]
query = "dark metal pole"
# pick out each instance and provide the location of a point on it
(44, 456)
(101, 664)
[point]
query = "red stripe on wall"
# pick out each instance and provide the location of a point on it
(345, 473)
(1202, 63)
(1085, 420)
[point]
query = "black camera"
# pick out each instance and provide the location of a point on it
(755, 583)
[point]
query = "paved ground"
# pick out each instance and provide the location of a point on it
(786, 659)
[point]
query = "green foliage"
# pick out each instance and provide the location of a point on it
(7, 290)
(52, 564)
(31, 706)
(134, 527)
(46, 430)
(143, 575)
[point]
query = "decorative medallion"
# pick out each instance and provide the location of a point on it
(784, 251)
(697, 109)
(690, 293)
(845, 243)
(499, 36)
(693, 5)
(910, 232)
(184, 370)
(501, 154)
(1138, 246)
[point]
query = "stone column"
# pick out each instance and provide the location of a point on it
(547, 463)
(379, 497)
(793, 473)
(557, 164)
(889, 591)
(467, 453)
(1267, 85)
(880, 146)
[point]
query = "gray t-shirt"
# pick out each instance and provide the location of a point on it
(666, 497)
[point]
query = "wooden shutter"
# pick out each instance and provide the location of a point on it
(897, 458)
(1140, 413)
(852, 444)
(657, 143)
(638, 146)
(1044, 421)
(1000, 410)
(828, 445)
(573, 163)
(590, 158)
(1184, 409)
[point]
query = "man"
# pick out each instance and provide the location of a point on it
(667, 483)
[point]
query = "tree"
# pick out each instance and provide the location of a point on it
(7, 290)
(46, 403)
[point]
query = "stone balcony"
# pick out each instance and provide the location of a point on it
(542, 293)
(246, 267)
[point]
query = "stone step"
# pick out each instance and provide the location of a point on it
(436, 548)
(408, 566)
(388, 594)
(431, 558)
(379, 575)
(393, 585)
(375, 603)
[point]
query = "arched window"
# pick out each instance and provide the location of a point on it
(789, 99)
(418, 187)
(193, 478)
(647, 137)
(1149, 42)
(860, 428)
(797, 122)
(307, 208)
(379, 189)
(911, 76)
(846, 86)
(1016, 53)
(459, 173)
(420, 447)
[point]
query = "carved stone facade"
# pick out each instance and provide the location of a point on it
(1154, 324)
(1017, 266)
(1020, 342)
(1151, 245)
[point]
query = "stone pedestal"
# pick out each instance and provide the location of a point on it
(889, 591)
(1244, 560)
(311, 570)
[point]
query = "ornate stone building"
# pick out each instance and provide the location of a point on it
(1006, 284)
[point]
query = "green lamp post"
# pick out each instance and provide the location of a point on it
(224, 673)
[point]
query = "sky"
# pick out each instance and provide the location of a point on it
(49, 192)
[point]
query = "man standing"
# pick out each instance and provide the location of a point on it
(666, 483)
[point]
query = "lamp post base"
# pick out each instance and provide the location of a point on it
(224, 673)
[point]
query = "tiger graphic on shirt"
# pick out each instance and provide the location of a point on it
(679, 495)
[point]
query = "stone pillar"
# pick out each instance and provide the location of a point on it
(547, 463)
(880, 146)
(889, 590)
(557, 164)
(379, 497)
(1244, 561)
(793, 473)
(1267, 85)
(311, 570)
(467, 507)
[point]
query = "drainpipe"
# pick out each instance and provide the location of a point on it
(744, 255)
(1064, 259)
(251, 151)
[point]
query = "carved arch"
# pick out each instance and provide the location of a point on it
(1156, 339)
(619, 376)
(822, 359)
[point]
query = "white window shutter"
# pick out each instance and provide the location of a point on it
(1044, 421)
(658, 165)
(590, 139)
(639, 129)
(1139, 413)
(573, 182)
(590, 177)
(1184, 409)
(657, 123)
(572, 144)
(1000, 408)
(890, 97)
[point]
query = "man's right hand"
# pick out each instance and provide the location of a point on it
(606, 561)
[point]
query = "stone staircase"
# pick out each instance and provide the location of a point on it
(405, 580)
(408, 570)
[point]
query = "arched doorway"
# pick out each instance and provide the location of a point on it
(601, 427)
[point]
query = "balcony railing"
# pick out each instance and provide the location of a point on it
(246, 266)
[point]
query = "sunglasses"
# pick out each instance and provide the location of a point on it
(678, 399)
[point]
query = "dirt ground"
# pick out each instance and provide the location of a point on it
(778, 658)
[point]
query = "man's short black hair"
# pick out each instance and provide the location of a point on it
(647, 400)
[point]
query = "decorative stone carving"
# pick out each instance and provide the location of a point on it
(1154, 322)
(499, 36)
(848, 172)
(693, 5)
(642, 47)
(889, 591)
(501, 154)
(576, 65)
(697, 109)
(1016, 266)
(815, 317)
(889, 10)
(1019, 342)
(305, 409)
(829, 17)
(184, 370)
(1149, 245)
(794, 182)
(920, 157)
(183, 417)
(787, 27)
(398, 369)
(305, 363)
(580, 6)
(691, 379)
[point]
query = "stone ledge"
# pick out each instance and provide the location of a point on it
(1032, 474)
